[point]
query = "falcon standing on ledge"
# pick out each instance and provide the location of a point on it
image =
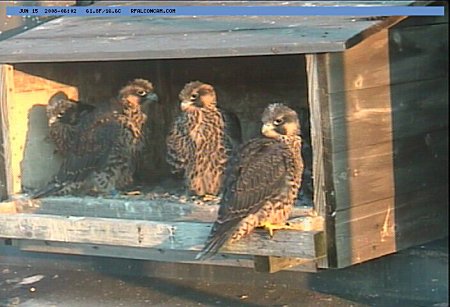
(202, 139)
(64, 115)
(262, 181)
(108, 140)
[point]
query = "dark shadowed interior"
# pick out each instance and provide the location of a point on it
(244, 85)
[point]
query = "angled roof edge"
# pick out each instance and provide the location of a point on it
(76, 39)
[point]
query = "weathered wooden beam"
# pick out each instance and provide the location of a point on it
(229, 260)
(176, 37)
(346, 72)
(6, 98)
(417, 161)
(8, 207)
(130, 252)
(388, 225)
(270, 264)
(322, 144)
(3, 126)
(413, 108)
(149, 234)
(391, 56)
(164, 209)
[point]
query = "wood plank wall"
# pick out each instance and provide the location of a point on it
(3, 93)
(388, 101)
(421, 155)
(30, 157)
(7, 90)
(324, 198)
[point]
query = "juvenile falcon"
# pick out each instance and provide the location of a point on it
(202, 139)
(262, 181)
(107, 143)
(64, 115)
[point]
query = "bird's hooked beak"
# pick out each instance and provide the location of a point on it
(151, 97)
(268, 130)
(52, 120)
(186, 104)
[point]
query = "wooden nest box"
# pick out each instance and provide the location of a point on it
(373, 94)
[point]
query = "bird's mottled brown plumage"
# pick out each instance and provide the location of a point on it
(103, 154)
(262, 180)
(202, 139)
(64, 115)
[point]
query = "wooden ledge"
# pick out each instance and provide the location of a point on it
(158, 235)
(169, 209)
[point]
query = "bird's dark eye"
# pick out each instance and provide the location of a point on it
(194, 96)
(141, 93)
(278, 121)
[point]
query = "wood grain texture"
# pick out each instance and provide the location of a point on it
(324, 186)
(380, 131)
(3, 146)
(6, 98)
(365, 237)
(88, 39)
(158, 235)
(130, 253)
(314, 97)
(383, 170)
(428, 218)
(228, 260)
(392, 56)
(140, 209)
(27, 130)
(388, 107)
(378, 115)
(392, 224)
(270, 264)
(8, 207)
(359, 161)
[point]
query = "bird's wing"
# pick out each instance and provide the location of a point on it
(233, 130)
(96, 138)
(64, 132)
(178, 144)
(74, 115)
(255, 174)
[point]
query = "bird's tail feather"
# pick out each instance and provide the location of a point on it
(218, 237)
(48, 189)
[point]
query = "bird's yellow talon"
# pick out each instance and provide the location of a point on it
(286, 226)
(270, 228)
(209, 197)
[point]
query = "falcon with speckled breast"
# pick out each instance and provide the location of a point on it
(262, 181)
(63, 116)
(108, 140)
(202, 139)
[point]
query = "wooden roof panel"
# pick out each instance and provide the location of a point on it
(148, 37)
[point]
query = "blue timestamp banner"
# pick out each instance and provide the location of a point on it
(226, 11)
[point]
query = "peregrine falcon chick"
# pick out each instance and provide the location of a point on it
(202, 139)
(262, 181)
(64, 115)
(108, 140)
